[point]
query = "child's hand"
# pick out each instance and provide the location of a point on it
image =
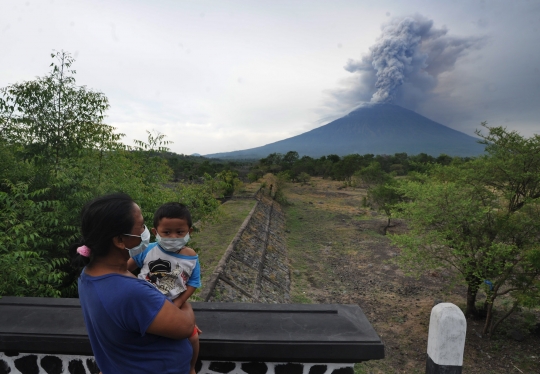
(198, 329)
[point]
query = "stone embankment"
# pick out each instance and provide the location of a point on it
(254, 268)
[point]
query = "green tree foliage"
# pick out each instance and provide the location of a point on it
(325, 165)
(382, 189)
(154, 168)
(272, 163)
(305, 165)
(384, 197)
(346, 168)
(373, 174)
(282, 178)
(55, 154)
(482, 219)
(52, 116)
(304, 178)
(54, 134)
(26, 267)
(193, 168)
(289, 159)
(229, 182)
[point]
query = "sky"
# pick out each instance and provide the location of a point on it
(225, 75)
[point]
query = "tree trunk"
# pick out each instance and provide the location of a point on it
(472, 290)
(496, 324)
(385, 228)
(489, 319)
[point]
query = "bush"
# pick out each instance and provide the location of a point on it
(303, 178)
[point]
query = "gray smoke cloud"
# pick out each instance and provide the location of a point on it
(404, 65)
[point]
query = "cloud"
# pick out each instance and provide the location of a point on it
(404, 66)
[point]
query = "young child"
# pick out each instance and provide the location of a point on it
(168, 264)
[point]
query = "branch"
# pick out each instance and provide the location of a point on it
(503, 318)
(506, 291)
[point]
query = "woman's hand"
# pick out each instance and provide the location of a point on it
(173, 322)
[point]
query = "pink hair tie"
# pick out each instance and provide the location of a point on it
(84, 251)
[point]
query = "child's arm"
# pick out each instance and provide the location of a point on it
(132, 265)
(180, 300)
(186, 251)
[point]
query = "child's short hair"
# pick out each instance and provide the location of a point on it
(172, 210)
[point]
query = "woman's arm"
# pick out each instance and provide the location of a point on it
(180, 300)
(173, 322)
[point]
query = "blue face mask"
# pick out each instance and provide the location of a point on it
(172, 244)
(145, 240)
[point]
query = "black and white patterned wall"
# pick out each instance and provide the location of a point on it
(35, 363)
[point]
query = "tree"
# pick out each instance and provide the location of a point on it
(333, 158)
(53, 131)
(303, 178)
(26, 268)
(382, 189)
(346, 167)
(269, 164)
(383, 197)
(53, 117)
(305, 164)
(324, 166)
(481, 218)
(229, 182)
(289, 159)
(373, 174)
(55, 154)
(148, 155)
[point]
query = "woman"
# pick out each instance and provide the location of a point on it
(132, 326)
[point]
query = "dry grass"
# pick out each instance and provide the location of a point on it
(213, 239)
(338, 255)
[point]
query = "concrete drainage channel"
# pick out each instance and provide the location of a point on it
(254, 268)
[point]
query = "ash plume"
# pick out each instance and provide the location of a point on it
(404, 65)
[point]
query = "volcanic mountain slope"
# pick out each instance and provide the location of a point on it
(376, 129)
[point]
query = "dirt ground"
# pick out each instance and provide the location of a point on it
(339, 255)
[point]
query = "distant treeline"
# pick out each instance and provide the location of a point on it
(193, 168)
(343, 168)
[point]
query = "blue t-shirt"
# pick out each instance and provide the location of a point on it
(117, 312)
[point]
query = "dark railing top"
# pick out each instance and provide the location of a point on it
(231, 331)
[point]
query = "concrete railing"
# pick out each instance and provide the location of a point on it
(42, 335)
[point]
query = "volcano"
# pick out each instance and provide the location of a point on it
(373, 128)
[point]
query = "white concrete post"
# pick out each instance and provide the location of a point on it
(446, 340)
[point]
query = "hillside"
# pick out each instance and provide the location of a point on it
(374, 128)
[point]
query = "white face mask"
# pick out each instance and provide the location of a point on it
(145, 240)
(172, 244)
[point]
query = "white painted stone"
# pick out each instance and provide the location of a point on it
(446, 338)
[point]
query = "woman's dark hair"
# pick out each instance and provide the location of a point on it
(102, 219)
(172, 210)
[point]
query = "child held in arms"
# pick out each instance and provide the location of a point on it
(168, 264)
